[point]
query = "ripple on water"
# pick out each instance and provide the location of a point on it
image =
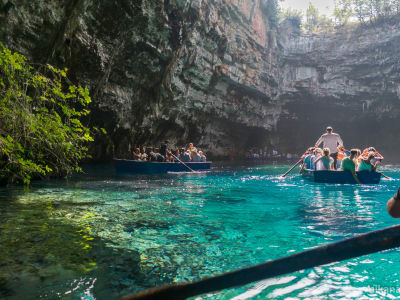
(101, 236)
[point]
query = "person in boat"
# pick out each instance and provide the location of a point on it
(196, 156)
(393, 205)
(164, 149)
(307, 159)
(358, 158)
(366, 165)
(191, 149)
(186, 156)
(369, 150)
(365, 152)
(317, 154)
(377, 159)
(348, 164)
(203, 158)
(136, 154)
(326, 161)
(159, 156)
(330, 140)
(342, 153)
(168, 157)
(177, 154)
(151, 156)
(143, 154)
(181, 153)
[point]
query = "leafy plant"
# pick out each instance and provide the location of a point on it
(293, 16)
(41, 133)
(365, 10)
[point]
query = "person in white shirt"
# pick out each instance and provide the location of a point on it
(331, 141)
(316, 154)
(326, 161)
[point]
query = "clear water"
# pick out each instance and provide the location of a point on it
(100, 236)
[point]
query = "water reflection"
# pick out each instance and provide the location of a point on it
(105, 236)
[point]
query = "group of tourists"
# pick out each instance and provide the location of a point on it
(164, 154)
(333, 156)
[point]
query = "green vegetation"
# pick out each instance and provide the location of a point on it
(316, 22)
(365, 10)
(271, 9)
(293, 16)
(345, 12)
(41, 133)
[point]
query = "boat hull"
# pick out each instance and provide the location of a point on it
(127, 166)
(341, 177)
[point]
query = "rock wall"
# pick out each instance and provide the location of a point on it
(215, 72)
(349, 80)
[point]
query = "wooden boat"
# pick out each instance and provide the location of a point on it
(128, 166)
(341, 176)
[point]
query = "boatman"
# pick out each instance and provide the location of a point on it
(332, 141)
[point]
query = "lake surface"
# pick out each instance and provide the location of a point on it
(101, 236)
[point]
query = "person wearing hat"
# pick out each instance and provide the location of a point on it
(332, 141)
(393, 205)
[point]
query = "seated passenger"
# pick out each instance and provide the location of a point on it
(377, 159)
(358, 158)
(317, 154)
(177, 154)
(307, 159)
(203, 158)
(365, 153)
(196, 156)
(158, 156)
(168, 156)
(326, 161)
(348, 164)
(136, 154)
(191, 148)
(143, 155)
(186, 156)
(151, 156)
(181, 153)
(366, 165)
(340, 155)
(164, 149)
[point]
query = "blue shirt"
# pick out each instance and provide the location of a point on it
(307, 161)
(186, 157)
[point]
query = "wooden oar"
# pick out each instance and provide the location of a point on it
(189, 168)
(360, 245)
(387, 177)
(291, 169)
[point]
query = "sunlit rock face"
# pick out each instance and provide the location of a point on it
(349, 80)
(216, 73)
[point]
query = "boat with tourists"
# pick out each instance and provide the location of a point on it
(128, 166)
(341, 177)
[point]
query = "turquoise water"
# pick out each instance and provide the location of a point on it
(100, 236)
